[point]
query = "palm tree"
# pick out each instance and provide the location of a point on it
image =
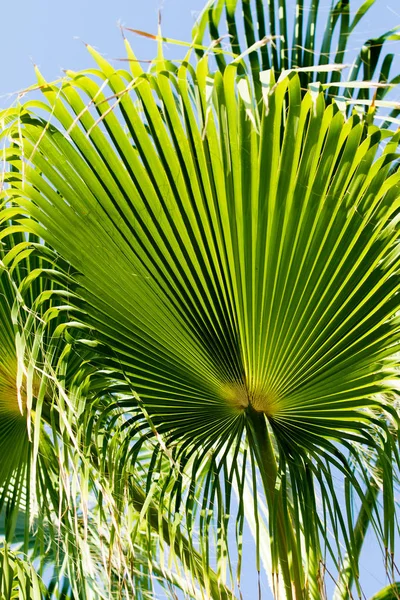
(200, 316)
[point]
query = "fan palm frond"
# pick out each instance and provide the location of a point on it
(229, 242)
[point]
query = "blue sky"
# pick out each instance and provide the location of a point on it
(50, 34)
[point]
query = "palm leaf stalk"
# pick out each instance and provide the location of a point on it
(232, 242)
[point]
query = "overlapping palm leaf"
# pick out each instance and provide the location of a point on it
(302, 36)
